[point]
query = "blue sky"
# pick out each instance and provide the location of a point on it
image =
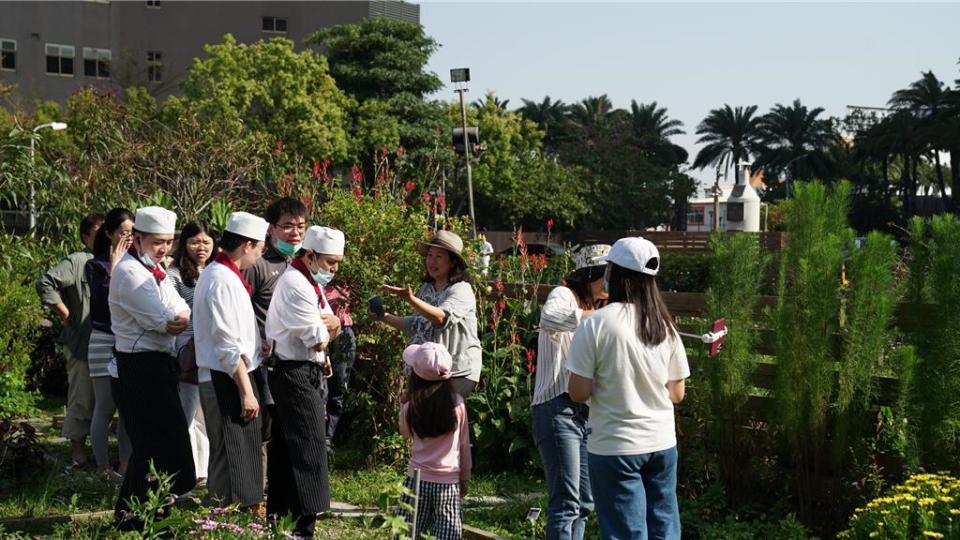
(692, 57)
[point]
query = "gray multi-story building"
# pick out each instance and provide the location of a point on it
(49, 50)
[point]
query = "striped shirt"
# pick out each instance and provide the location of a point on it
(559, 318)
(185, 291)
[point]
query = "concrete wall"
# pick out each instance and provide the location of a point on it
(179, 30)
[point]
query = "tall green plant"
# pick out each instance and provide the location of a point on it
(935, 295)
(737, 269)
(806, 321)
(866, 333)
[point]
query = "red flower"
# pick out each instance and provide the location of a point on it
(278, 149)
(357, 173)
(498, 285)
(425, 197)
(316, 169)
(549, 225)
(357, 193)
(441, 202)
(531, 367)
(409, 186)
(531, 355)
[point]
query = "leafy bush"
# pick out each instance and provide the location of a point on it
(20, 312)
(925, 506)
(685, 273)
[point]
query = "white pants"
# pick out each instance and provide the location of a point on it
(196, 426)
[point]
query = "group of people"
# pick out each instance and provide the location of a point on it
(230, 365)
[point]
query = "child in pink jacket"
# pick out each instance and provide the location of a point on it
(435, 418)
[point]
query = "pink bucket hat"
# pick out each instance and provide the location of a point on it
(430, 361)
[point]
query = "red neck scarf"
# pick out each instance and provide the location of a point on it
(302, 268)
(155, 269)
(224, 260)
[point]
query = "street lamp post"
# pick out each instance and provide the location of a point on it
(56, 126)
(461, 76)
(786, 167)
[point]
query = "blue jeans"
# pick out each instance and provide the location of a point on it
(560, 431)
(637, 495)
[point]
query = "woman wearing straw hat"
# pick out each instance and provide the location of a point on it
(146, 315)
(628, 360)
(559, 423)
(297, 456)
(444, 309)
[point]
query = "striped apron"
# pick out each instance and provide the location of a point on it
(237, 477)
(297, 457)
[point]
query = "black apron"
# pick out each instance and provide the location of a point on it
(154, 418)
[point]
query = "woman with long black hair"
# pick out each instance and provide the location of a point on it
(628, 360)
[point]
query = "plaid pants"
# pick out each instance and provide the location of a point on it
(439, 513)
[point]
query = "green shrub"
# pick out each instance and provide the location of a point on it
(934, 293)
(20, 312)
(925, 506)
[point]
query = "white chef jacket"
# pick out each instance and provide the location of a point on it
(224, 325)
(140, 308)
(293, 320)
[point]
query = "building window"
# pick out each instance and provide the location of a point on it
(695, 216)
(153, 4)
(274, 25)
(8, 55)
(60, 59)
(154, 66)
(96, 63)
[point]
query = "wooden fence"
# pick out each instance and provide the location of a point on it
(673, 242)
(683, 305)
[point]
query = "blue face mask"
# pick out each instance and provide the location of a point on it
(322, 277)
(146, 260)
(285, 248)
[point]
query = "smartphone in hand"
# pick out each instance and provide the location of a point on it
(376, 306)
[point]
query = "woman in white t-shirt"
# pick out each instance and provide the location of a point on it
(628, 360)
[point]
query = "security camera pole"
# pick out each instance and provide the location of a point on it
(461, 77)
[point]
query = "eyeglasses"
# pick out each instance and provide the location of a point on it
(290, 227)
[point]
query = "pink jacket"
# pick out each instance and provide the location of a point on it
(445, 459)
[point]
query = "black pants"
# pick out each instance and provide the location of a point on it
(297, 454)
(343, 355)
(155, 421)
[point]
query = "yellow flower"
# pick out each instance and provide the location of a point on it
(932, 534)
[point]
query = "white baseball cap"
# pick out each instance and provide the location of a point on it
(324, 240)
(155, 220)
(247, 225)
(635, 254)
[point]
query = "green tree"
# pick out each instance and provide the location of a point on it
(795, 140)
(384, 60)
(514, 183)
(730, 134)
(550, 116)
(283, 98)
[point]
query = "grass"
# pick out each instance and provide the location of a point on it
(56, 493)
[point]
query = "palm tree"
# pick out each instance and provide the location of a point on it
(928, 99)
(491, 99)
(730, 134)
(794, 139)
(591, 112)
(549, 115)
(648, 120)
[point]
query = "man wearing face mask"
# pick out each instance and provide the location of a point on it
(146, 316)
(228, 355)
(297, 465)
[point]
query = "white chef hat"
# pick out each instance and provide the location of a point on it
(155, 220)
(247, 225)
(324, 240)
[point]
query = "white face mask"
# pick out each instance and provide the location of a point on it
(146, 260)
(606, 281)
(322, 277)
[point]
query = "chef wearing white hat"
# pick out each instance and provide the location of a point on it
(146, 316)
(297, 467)
(228, 355)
